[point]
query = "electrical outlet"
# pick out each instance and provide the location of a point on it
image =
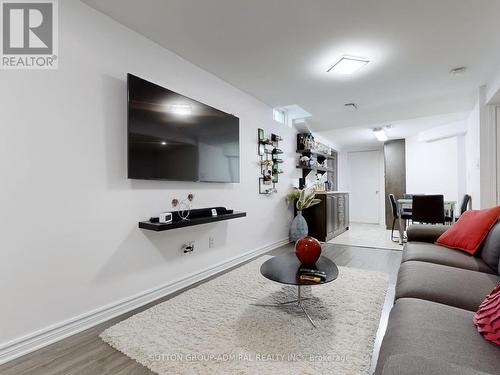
(187, 248)
(210, 242)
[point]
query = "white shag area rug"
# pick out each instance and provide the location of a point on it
(214, 328)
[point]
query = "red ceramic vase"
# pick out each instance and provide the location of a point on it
(308, 250)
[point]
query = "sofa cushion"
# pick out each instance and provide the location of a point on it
(436, 331)
(443, 284)
(427, 252)
(469, 232)
(425, 232)
(490, 251)
(409, 364)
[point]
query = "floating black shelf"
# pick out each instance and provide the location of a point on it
(320, 169)
(317, 153)
(197, 217)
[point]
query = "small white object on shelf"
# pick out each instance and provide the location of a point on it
(165, 218)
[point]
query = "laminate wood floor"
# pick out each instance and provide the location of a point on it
(86, 354)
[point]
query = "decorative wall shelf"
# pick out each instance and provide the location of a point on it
(196, 217)
(318, 157)
(270, 161)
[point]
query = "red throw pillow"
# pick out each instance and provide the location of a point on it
(487, 317)
(470, 230)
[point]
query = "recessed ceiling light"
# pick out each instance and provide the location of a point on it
(348, 65)
(380, 134)
(164, 143)
(458, 71)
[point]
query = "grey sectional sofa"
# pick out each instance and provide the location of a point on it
(430, 329)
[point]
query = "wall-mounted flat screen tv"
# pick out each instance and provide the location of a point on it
(173, 137)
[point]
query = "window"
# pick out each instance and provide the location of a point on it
(279, 115)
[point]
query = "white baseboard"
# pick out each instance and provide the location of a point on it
(49, 335)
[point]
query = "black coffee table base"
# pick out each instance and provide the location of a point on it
(298, 301)
(286, 269)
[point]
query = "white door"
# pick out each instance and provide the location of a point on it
(364, 185)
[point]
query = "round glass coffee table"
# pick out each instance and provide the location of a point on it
(285, 268)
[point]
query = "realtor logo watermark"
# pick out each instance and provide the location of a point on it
(29, 34)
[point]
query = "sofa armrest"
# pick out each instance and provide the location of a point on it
(409, 364)
(425, 232)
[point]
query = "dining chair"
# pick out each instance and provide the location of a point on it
(464, 206)
(410, 196)
(407, 210)
(428, 209)
(465, 203)
(395, 215)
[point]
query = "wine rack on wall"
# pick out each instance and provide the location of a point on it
(270, 162)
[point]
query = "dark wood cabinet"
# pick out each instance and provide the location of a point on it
(330, 217)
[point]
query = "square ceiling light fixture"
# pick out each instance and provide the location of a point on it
(348, 65)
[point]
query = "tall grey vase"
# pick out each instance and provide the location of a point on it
(299, 228)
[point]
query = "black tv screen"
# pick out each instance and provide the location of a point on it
(173, 137)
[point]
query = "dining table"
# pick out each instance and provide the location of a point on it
(406, 203)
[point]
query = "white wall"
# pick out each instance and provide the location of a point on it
(492, 93)
(482, 144)
(487, 150)
(69, 237)
(461, 168)
(342, 171)
(472, 157)
(432, 167)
